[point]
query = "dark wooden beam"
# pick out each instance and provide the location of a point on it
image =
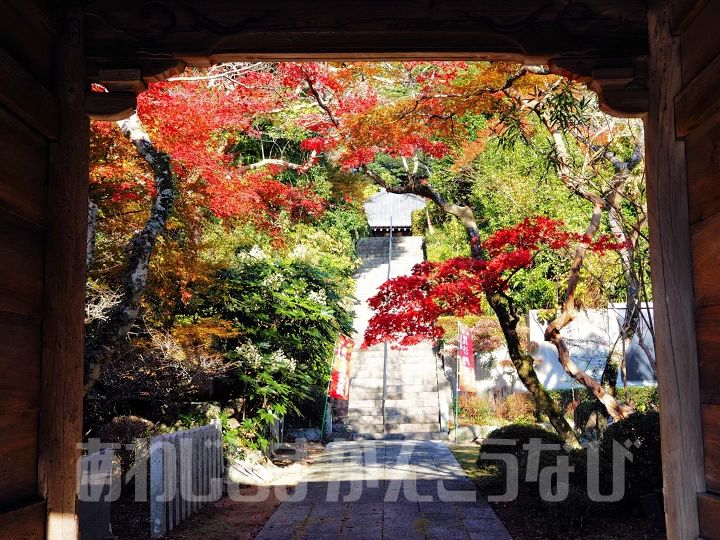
(64, 293)
(27, 98)
(25, 522)
(672, 281)
(122, 80)
(684, 12)
(110, 106)
(709, 507)
(134, 34)
(699, 101)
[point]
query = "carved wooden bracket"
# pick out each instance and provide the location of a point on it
(110, 106)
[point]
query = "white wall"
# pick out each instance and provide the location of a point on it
(589, 338)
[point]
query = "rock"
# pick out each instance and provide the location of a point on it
(210, 410)
(471, 433)
(311, 434)
(233, 423)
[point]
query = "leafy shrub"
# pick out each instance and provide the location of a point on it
(126, 430)
(568, 515)
(644, 473)
(475, 409)
(419, 222)
(643, 398)
(518, 407)
(585, 410)
(521, 434)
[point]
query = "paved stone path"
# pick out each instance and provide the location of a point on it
(394, 490)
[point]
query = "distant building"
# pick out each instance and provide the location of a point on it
(383, 205)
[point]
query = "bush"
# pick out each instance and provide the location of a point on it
(475, 409)
(521, 434)
(419, 222)
(585, 410)
(518, 407)
(569, 514)
(644, 473)
(125, 430)
(643, 398)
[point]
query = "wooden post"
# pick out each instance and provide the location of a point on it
(671, 263)
(64, 295)
(160, 482)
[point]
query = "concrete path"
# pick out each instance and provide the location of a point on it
(394, 490)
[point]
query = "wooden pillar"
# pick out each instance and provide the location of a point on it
(63, 330)
(672, 280)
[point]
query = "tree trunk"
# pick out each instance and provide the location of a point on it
(111, 332)
(552, 333)
(526, 372)
(91, 234)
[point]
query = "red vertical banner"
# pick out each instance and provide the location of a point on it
(466, 359)
(340, 381)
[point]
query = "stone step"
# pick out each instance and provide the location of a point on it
(419, 436)
(399, 367)
(393, 428)
(376, 394)
(378, 356)
(425, 346)
(377, 382)
(356, 419)
(394, 411)
(392, 388)
(394, 403)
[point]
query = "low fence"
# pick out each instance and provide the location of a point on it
(186, 472)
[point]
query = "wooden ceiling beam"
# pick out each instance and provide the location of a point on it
(159, 38)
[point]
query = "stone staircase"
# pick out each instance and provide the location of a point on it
(412, 408)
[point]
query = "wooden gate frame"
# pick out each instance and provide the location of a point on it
(629, 56)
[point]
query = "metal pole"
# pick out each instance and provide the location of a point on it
(327, 391)
(385, 356)
(457, 383)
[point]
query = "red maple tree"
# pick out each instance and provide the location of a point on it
(407, 307)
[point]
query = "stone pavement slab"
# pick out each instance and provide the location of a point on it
(385, 490)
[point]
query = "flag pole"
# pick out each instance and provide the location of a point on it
(457, 381)
(327, 391)
(385, 355)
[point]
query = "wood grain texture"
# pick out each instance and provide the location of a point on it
(24, 523)
(706, 261)
(684, 13)
(25, 96)
(22, 258)
(20, 358)
(120, 36)
(700, 41)
(18, 457)
(708, 342)
(709, 507)
(222, 30)
(703, 169)
(110, 106)
(64, 299)
(23, 174)
(675, 343)
(24, 36)
(711, 427)
(699, 101)
(709, 510)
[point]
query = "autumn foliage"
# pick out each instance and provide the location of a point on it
(407, 307)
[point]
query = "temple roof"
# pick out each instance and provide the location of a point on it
(382, 205)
